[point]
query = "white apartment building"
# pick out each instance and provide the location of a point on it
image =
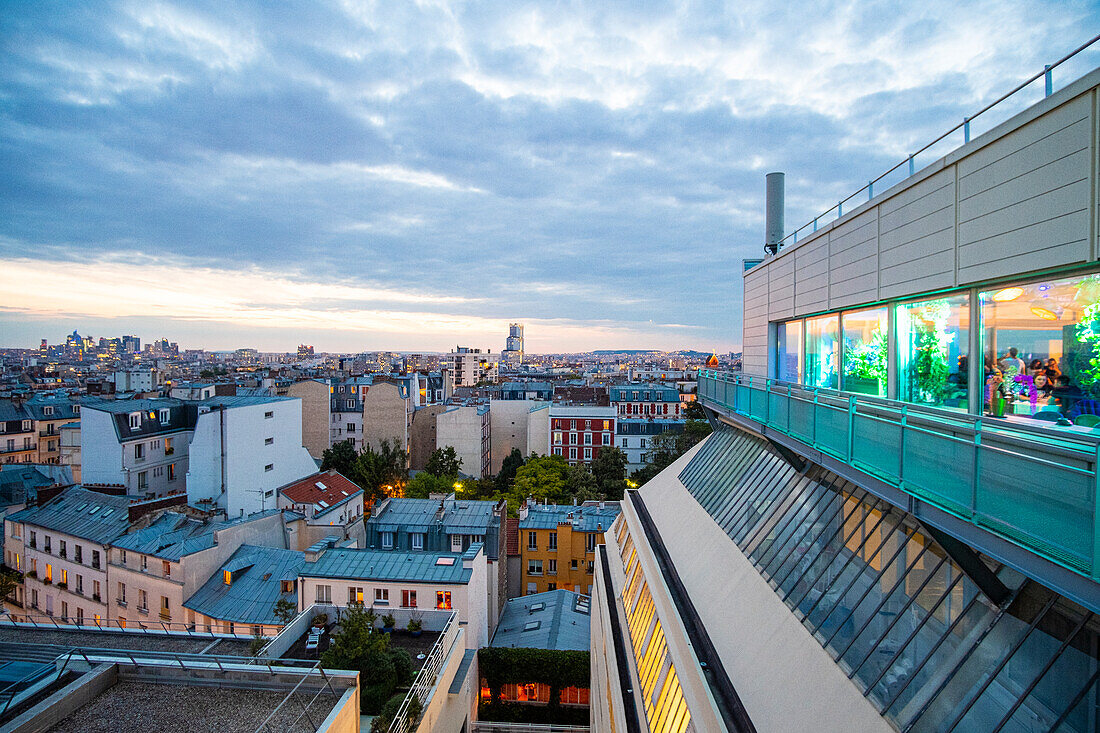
(472, 366)
(402, 580)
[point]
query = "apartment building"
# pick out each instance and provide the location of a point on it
(386, 580)
(894, 524)
(240, 596)
(558, 544)
(387, 414)
(445, 525)
(634, 437)
(18, 437)
(316, 397)
(518, 424)
(154, 569)
(471, 367)
(328, 504)
(577, 432)
(648, 400)
(50, 414)
(229, 452)
(62, 548)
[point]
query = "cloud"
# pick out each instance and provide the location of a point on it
(566, 164)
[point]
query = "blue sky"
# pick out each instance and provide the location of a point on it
(390, 175)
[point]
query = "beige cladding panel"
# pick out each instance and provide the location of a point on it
(917, 241)
(1020, 198)
(1024, 199)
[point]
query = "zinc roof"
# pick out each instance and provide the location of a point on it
(256, 586)
(459, 516)
(585, 517)
(81, 513)
(556, 619)
(421, 567)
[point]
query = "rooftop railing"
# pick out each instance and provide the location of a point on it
(909, 163)
(1034, 485)
(427, 677)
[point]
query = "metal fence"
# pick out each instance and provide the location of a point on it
(485, 726)
(428, 676)
(1036, 486)
(909, 163)
(46, 621)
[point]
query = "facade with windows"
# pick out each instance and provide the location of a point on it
(634, 436)
(894, 524)
(650, 400)
(557, 544)
(402, 580)
(577, 432)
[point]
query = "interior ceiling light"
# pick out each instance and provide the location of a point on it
(1003, 296)
(1040, 309)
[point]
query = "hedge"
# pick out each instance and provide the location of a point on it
(558, 669)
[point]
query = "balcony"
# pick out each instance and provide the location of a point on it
(1030, 484)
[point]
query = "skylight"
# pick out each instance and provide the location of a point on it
(538, 606)
(93, 510)
(444, 561)
(320, 486)
(532, 625)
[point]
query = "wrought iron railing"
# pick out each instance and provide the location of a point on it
(1035, 485)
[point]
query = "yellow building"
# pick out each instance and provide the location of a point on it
(558, 544)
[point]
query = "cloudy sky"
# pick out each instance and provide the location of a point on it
(415, 175)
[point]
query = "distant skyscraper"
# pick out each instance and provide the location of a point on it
(513, 349)
(305, 351)
(131, 344)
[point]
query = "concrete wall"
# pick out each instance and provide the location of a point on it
(385, 416)
(101, 453)
(422, 440)
(513, 424)
(1019, 198)
(461, 428)
(316, 414)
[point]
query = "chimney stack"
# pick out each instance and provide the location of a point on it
(773, 226)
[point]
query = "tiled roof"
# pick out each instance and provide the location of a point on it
(421, 567)
(81, 513)
(585, 518)
(556, 619)
(326, 489)
(251, 597)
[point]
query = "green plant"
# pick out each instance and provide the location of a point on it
(388, 621)
(930, 352)
(256, 645)
(414, 711)
(285, 610)
(415, 625)
(320, 619)
(382, 723)
(867, 359)
(558, 669)
(1087, 365)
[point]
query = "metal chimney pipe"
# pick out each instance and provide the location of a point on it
(773, 226)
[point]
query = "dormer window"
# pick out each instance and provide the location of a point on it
(227, 577)
(286, 586)
(26, 425)
(165, 416)
(76, 409)
(135, 420)
(47, 410)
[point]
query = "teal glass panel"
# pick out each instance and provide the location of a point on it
(789, 352)
(933, 338)
(865, 351)
(823, 351)
(1041, 347)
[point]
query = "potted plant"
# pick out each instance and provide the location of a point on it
(320, 620)
(388, 622)
(32, 573)
(416, 624)
(63, 585)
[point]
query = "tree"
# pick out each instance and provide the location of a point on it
(444, 462)
(285, 610)
(341, 457)
(580, 484)
(667, 447)
(9, 581)
(508, 467)
(376, 471)
(424, 483)
(609, 472)
(543, 478)
(358, 646)
(694, 411)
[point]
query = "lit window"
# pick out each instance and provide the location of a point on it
(443, 600)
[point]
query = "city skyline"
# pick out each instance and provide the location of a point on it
(408, 178)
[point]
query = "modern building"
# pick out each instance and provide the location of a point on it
(513, 347)
(385, 579)
(577, 432)
(893, 525)
(558, 544)
(471, 367)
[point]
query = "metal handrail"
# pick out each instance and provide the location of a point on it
(1068, 456)
(428, 675)
(1047, 72)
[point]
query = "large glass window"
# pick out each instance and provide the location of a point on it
(789, 356)
(1041, 348)
(932, 351)
(865, 351)
(823, 351)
